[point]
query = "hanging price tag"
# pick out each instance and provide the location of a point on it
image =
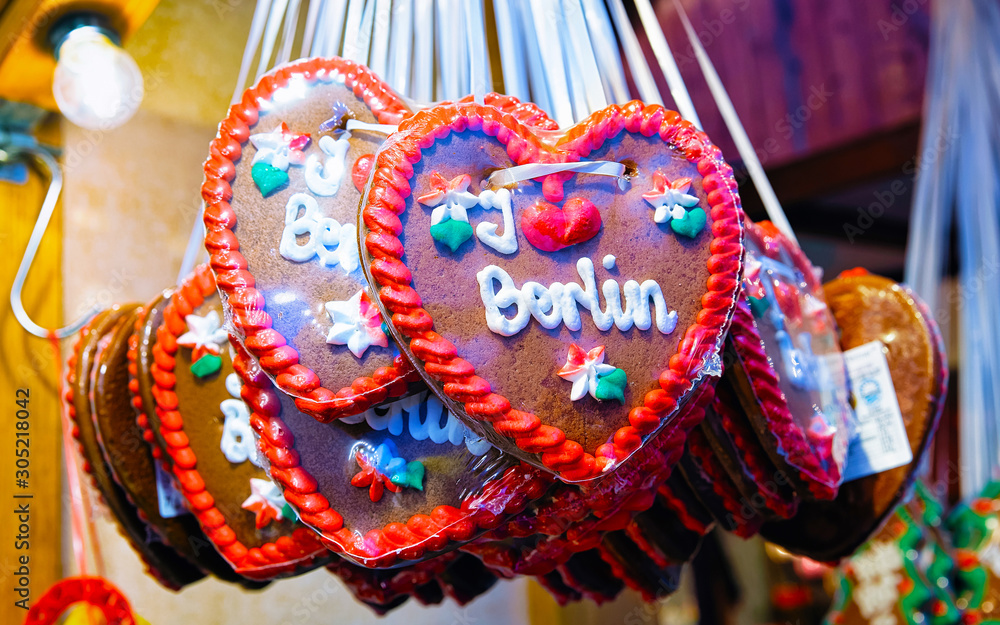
(879, 442)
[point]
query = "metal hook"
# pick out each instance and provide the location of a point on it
(17, 145)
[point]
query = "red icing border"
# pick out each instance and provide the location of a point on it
(798, 453)
(141, 419)
(286, 554)
(386, 201)
(753, 458)
(365, 586)
(420, 534)
(235, 279)
(68, 397)
(701, 454)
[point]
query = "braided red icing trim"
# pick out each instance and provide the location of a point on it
(701, 454)
(69, 396)
(421, 534)
(623, 574)
(671, 500)
(565, 515)
(284, 555)
(386, 201)
(757, 464)
(133, 387)
(597, 595)
(790, 438)
(366, 585)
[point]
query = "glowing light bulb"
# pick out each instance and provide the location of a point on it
(97, 85)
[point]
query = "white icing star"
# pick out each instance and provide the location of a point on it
(583, 369)
(356, 323)
(280, 147)
(205, 334)
(266, 500)
(451, 198)
(670, 199)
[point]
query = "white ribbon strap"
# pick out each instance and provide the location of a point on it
(519, 173)
(387, 129)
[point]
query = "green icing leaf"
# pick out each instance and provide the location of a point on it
(206, 366)
(288, 513)
(758, 306)
(267, 177)
(691, 224)
(611, 386)
(452, 233)
(412, 476)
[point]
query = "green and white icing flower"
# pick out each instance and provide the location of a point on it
(205, 336)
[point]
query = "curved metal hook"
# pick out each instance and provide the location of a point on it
(42, 157)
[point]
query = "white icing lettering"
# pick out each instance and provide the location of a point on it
(331, 242)
(560, 303)
(324, 178)
(390, 417)
(505, 243)
(238, 444)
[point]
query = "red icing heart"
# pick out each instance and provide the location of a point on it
(550, 228)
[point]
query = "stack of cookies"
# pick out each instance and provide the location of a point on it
(440, 348)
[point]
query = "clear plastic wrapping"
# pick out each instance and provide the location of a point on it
(564, 293)
(283, 183)
(787, 367)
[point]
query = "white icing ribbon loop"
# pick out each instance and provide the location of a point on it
(520, 173)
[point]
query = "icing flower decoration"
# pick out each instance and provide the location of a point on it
(267, 502)
(205, 335)
(276, 150)
(382, 469)
(356, 323)
(451, 200)
(280, 148)
(589, 374)
(675, 204)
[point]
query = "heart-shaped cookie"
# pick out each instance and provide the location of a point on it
(162, 561)
(205, 430)
(526, 343)
(339, 476)
(786, 368)
(283, 184)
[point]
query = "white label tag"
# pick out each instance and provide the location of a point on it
(879, 442)
(172, 502)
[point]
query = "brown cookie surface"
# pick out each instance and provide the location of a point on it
(162, 561)
(520, 329)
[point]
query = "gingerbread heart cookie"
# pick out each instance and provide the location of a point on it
(401, 481)
(787, 370)
(282, 188)
(572, 325)
(162, 561)
(205, 429)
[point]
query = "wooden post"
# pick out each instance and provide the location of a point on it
(30, 364)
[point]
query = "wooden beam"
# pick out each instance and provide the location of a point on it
(890, 153)
(31, 364)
